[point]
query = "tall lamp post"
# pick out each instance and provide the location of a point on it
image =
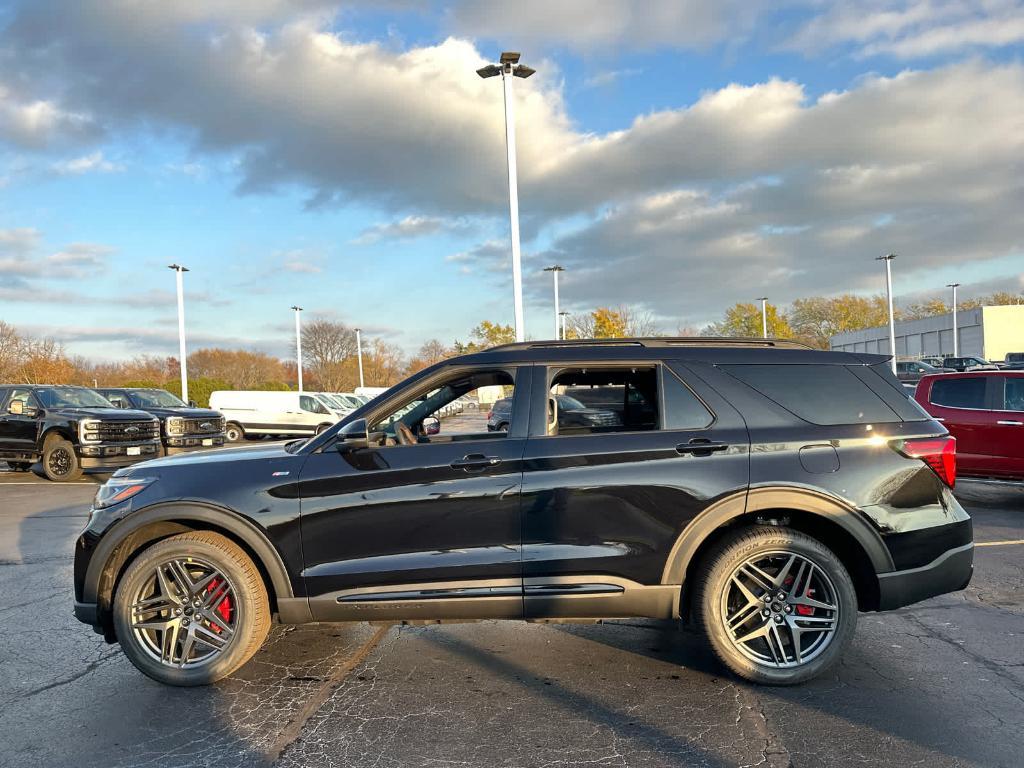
(563, 316)
(298, 344)
(180, 270)
(956, 331)
(554, 270)
(764, 316)
(888, 292)
(359, 354)
(508, 67)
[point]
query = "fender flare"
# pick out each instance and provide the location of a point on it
(799, 499)
(186, 511)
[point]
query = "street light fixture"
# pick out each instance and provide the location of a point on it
(359, 354)
(298, 344)
(764, 316)
(554, 270)
(508, 67)
(888, 292)
(180, 270)
(956, 331)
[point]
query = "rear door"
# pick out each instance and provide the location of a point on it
(1007, 430)
(609, 486)
(962, 404)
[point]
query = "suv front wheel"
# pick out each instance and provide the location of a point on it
(777, 605)
(191, 609)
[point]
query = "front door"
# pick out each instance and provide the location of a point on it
(406, 525)
(18, 431)
(626, 457)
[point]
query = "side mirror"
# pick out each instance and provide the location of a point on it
(552, 427)
(192, 404)
(16, 408)
(352, 435)
(431, 426)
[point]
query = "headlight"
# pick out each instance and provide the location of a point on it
(175, 425)
(118, 489)
(89, 431)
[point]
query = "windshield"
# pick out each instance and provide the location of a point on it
(156, 398)
(331, 403)
(72, 397)
(567, 403)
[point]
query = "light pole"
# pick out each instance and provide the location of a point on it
(359, 354)
(563, 316)
(888, 291)
(180, 270)
(956, 331)
(554, 270)
(298, 344)
(764, 316)
(508, 67)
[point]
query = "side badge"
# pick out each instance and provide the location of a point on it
(280, 474)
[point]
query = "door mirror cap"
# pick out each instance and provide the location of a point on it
(352, 435)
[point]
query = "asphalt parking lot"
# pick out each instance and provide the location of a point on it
(937, 684)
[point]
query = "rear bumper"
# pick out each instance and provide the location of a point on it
(949, 572)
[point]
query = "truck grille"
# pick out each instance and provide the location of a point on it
(125, 431)
(211, 426)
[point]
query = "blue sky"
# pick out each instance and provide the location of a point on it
(675, 156)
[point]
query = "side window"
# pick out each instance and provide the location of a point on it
(118, 400)
(960, 393)
(588, 400)
(311, 404)
(1013, 397)
(463, 407)
(683, 409)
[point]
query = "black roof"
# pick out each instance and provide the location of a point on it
(698, 349)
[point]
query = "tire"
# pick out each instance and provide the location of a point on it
(233, 432)
(239, 605)
(60, 462)
(503, 427)
(791, 619)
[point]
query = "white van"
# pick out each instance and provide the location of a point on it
(257, 413)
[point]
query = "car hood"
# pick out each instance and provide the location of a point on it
(186, 412)
(209, 457)
(107, 414)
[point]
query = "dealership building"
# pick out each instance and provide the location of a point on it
(986, 332)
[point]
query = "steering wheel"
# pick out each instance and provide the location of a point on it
(403, 434)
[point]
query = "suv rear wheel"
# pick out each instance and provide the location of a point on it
(60, 463)
(191, 609)
(777, 605)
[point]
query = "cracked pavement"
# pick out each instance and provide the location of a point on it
(938, 684)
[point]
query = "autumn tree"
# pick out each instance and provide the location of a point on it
(326, 345)
(431, 352)
(745, 319)
(485, 336)
(383, 364)
(242, 368)
(607, 323)
(927, 308)
(816, 319)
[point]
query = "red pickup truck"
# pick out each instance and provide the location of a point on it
(984, 411)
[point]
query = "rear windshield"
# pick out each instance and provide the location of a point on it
(820, 394)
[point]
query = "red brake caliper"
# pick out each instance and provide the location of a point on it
(223, 607)
(803, 610)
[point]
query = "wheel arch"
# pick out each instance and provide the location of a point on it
(837, 525)
(118, 548)
(56, 430)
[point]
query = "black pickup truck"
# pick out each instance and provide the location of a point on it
(71, 429)
(183, 427)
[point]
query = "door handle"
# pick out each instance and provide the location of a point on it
(475, 461)
(700, 446)
(1011, 423)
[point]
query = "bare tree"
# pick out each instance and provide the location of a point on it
(607, 323)
(325, 347)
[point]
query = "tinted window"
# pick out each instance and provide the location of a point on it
(310, 404)
(959, 393)
(604, 400)
(1014, 394)
(682, 408)
(820, 394)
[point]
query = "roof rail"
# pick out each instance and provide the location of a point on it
(656, 341)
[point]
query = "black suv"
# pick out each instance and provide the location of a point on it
(71, 429)
(767, 491)
(183, 426)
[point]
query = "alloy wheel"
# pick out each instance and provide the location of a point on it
(59, 461)
(780, 609)
(185, 615)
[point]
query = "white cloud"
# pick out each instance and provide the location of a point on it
(610, 77)
(33, 123)
(406, 228)
(20, 256)
(91, 163)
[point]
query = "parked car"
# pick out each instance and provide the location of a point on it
(984, 411)
(258, 413)
(968, 364)
(349, 400)
(776, 492)
(71, 429)
(1014, 361)
(182, 427)
(500, 415)
(911, 371)
(334, 403)
(934, 362)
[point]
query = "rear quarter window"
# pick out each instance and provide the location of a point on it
(959, 393)
(819, 394)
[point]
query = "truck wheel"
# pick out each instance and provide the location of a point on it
(777, 605)
(234, 433)
(191, 609)
(59, 460)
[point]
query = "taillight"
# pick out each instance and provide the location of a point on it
(489, 414)
(939, 453)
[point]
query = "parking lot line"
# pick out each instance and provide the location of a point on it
(998, 543)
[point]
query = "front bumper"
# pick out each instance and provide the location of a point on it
(185, 443)
(95, 455)
(949, 572)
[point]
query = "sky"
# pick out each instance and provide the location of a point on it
(674, 156)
